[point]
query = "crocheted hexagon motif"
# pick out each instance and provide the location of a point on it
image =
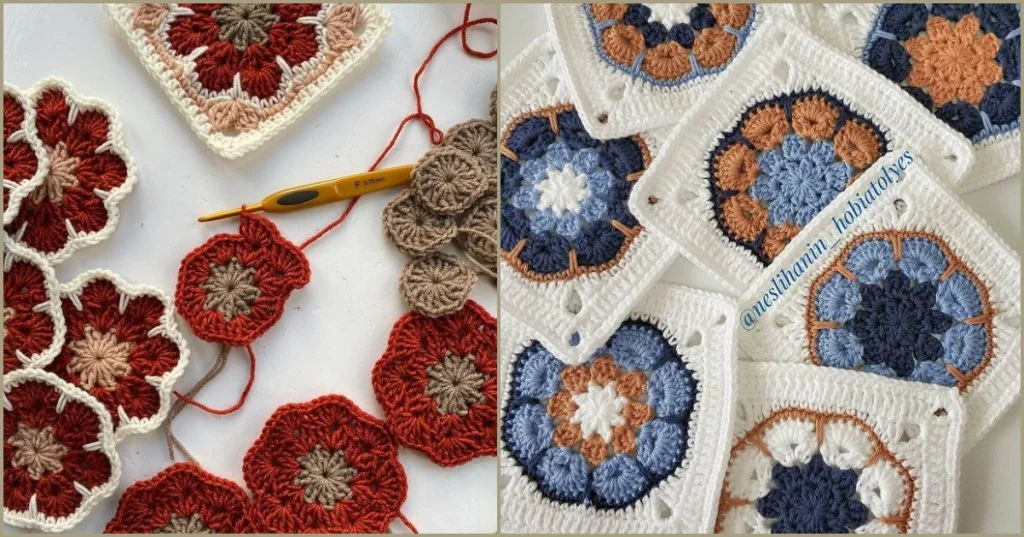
(437, 384)
(242, 73)
(123, 347)
(782, 163)
(183, 498)
(607, 431)
(89, 172)
(668, 44)
(59, 456)
(901, 304)
(564, 195)
(33, 321)
(804, 471)
(232, 289)
(25, 161)
(960, 61)
(324, 466)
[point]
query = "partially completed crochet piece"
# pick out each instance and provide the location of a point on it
(123, 347)
(748, 169)
(962, 62)
(26, 162)
(59, 456)
(437, 383)
(324, 467)
(917, 288)
(33, 321)
(633, 438)
(183, 498)
(827, 451)
(89, 171)
(634, 67)
(242, 73)
(574, 257)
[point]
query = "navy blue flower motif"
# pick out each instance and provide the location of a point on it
(605, 432)
(815, 498)
(799, 179)
(565, 196)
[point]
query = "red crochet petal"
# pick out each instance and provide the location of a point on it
(87, 134)
(291, 12)
(52, 116)
(460, 349)
(20, 162)
(293, 41)
(33, 323)
(217, 66)
(105, 171)
(277, 266)
(259, 72)
(189, 33)
(14, 115)
(182, 494)
(328, 432)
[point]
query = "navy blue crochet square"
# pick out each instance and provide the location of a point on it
(606, 432)
(961, 61)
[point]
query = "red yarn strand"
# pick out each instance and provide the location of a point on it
(407, 523)
(241, 400)
(465, 43)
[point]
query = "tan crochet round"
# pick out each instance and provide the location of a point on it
(448, 180)
(479, 138)
(436, 285)
(482, 218)
(414, 229)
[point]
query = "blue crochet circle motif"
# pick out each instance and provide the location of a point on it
(564, 195)
(997, 109)
(814, 498)
(607, 431)
(902, 305)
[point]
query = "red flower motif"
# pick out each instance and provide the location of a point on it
(245, 41)
(25, 162)
(184, 498)
(324, 467)
(33, 324)
(437, 383)
(89, 172)
(123, 347)
(59, 456)
(232, 289)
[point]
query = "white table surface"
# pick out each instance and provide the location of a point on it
(990, 478)
(333, 330)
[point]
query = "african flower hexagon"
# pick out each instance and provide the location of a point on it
(123, 347)
(437, 383)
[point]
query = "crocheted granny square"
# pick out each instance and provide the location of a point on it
(633, 67)
(25, 161)
(89, 171)
(241, 73)
(747, 169)
(826, 451)
(632, 440)
(123, 347)
(59, 456)
(574, 258)
(917, 288)
(960, 61)
(33, 321)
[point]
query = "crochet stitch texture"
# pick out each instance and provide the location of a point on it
(25, 160)
(33, 321)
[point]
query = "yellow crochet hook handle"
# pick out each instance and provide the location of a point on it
(313, 194)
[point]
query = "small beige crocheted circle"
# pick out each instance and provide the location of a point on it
(494, 104)
(436, 285)
(448, 180)
(479, 138)
(414, 229)
(482, 218)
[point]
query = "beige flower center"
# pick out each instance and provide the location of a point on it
(325, 477)
(36, 450)
(180, 524)
(230, 289)
(99, 359)
(245, 24)
(63, 175)
(455, 384)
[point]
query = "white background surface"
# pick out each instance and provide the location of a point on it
(990, 478)
(333, 330)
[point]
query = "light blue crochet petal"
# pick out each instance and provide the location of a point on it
(771, 162)
(526, 198)
(529, 430)
(568, 225)
(837, 300)
(594, 209)
(538, 374)
(964, 346)
(619, 481)
(837, 175)
(958, 297)
(600, 183)
(933, 372)
(794, 147)
(542, 222)
(586, 160)
(534, 171)
(805, 214)
(780, 212)
(837, 347)
(871, 261)
(922, 260)
(638, 347)
(563, 472)
(558, 155)
(765, 187)
(821, 152)
(670, 390)
(660, 447)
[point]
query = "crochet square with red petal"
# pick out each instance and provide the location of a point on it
(241, 73)
(232, 289)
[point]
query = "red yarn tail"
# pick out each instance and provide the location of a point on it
(407, 523)
(241, 400)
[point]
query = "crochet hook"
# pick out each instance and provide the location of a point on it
(313, 194)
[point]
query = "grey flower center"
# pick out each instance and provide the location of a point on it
(455, 383)
(230, 289)
(325, 477)
(36, 450)
(245, 24)
(180, 524)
